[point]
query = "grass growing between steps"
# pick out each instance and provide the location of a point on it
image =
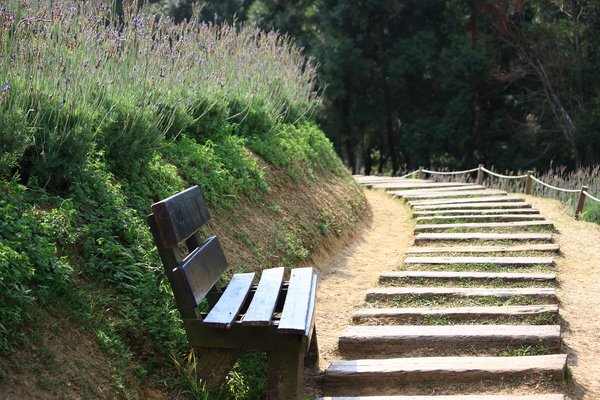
(541, 319)
(479, 268)
(535, 253)
(538, 383)
(465, 283)
(516, 229)
(452, 301)
(471, 242)
(457, 350)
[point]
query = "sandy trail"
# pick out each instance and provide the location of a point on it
(579, 295)
(345, 277)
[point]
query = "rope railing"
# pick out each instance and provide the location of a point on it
(529, 179)
(409, 174)
(589, 196)
(555, 187)
(502, 176)
(467, 171)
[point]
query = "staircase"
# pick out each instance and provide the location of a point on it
(473, 313)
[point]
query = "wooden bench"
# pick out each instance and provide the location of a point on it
(275, 316)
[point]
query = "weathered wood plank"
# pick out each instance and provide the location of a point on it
(180, 216)
(294, 315)
(480, 205)
(486, 217)
(481, 236)
(402, 193)
(227, 308)
(452, 194)
(481, 260)
(371, 339)
(455, 312)
(197, 274)
(484, 211)
(352, 375)
(260, 311)
(549, 247)
(410, 185)
(455, 397)
(487, 225)
(471, 275)
(490, 199)
(391, 292)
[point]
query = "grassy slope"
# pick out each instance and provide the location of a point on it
(284, 226)
(91, 133)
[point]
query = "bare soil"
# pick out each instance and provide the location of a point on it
(380, 246)
(579, 295)
(59, 361)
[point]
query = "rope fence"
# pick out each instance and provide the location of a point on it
(450, 173)
(554, 187)
(529, 180)
(502, 176)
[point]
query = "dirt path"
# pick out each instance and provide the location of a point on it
(579, 295)
(344, 278)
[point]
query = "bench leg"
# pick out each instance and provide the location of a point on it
(285, 376)
(213, 365)
(312, 356)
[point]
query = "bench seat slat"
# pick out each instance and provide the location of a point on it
(311, 308)
(227, 308)
(260, 311)
(295, 312)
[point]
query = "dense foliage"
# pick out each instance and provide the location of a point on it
(443, 83)
(101, 114)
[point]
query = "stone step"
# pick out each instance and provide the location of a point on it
(488, 217)
(455, 397)
(389, 277)
(477, 206)
(481, 236)
(382, 340)
(550, 247)
(427, 190)
(485, 225)
(476, 200)
(548, 261)
(482, 211)
(452, 194)
(353, 376)
(412, 313)
(388, 293)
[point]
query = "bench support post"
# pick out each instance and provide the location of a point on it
(285, 376)
(312, 355)
(213, 365)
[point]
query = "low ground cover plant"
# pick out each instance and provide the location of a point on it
(100, 115)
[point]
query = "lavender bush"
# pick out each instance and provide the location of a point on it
(77, 79)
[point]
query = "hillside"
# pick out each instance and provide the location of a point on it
(93, 132)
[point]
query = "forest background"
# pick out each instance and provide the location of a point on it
(444, 83)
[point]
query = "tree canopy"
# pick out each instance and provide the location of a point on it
(445, 83)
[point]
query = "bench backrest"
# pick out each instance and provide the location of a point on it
(175, 223)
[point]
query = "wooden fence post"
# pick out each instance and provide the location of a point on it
(528, 182)
(580, 202)
(480, 174)
(421, 173)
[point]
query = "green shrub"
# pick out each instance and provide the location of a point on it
(30, 266)
(15, 137)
